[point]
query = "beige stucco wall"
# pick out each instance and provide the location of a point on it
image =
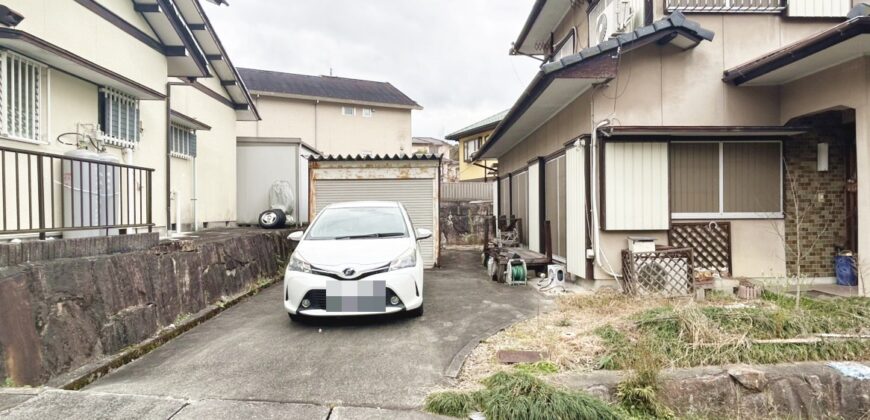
(322, 125)
(70, 100)
(469, 171)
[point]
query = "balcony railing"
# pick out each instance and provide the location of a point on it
(726, 6)
(44, 192)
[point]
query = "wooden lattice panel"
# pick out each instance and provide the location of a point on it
(710, 244)
(663, 273)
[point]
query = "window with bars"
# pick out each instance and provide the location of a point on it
(119, 118)
(182, 142)
(22, 89)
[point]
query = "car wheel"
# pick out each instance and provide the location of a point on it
(416, 313)
(272, 219)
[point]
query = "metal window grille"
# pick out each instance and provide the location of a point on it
(120, 118)
(727, 6)
(183, 142)
(21, 79)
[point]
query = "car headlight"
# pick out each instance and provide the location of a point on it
(298, 264)
(407, 259)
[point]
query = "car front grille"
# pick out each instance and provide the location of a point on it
(360, 276)
(317, 297)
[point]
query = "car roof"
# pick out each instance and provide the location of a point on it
(358, 204)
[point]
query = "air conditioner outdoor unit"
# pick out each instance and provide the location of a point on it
(611, 17)
(662, 273)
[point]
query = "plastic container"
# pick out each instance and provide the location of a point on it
(847, 275)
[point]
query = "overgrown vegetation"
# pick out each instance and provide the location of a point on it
(520, 395)
(770, 331)
(538, 368)
(9, 383)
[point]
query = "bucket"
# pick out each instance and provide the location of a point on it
(846, 272)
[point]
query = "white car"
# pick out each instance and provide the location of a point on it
(358, 258)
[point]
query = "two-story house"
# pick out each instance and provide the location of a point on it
(117, 116)
(738, 128)
(471, 139)
(335, 115)
(442, 148)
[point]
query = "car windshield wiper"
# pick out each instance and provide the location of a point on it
(371, 235)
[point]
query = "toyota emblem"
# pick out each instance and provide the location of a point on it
(348, 272)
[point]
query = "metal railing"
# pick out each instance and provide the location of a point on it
(44, 192)
(726, 6)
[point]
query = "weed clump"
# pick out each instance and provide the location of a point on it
(520, 395)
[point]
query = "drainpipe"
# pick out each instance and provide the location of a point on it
(169, 86)
(193, 199)
(598, 257)
(316, 102)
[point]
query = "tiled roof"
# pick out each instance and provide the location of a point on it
(430, 141)
(329, 87)
(482, 125)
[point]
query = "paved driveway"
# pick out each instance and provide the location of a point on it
(253, 352)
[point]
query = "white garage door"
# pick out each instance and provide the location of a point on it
(416, 194)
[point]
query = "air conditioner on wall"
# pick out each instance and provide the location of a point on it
(610, 18)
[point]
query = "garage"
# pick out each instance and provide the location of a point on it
(412, 180)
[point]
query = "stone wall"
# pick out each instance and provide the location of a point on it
(464, 223)
(36, 250)
(57, 315)
(811, 390)
(821, 198)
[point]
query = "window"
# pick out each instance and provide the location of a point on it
(367, 112)
(726, 179)
(182, 142)
(471, 147)
(348, 111)
(22, 80)
(119, 118)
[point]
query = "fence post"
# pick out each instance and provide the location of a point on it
(40, 179)
(150, 204)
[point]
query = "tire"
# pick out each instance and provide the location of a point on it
(272, 219)
(416, 313)
(500, 273)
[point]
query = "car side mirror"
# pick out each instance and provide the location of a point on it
(296, 236)
(423, 234)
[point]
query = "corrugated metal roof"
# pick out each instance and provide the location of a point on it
(481, 125)
(429, 140)
(328, 87)
(350, 158)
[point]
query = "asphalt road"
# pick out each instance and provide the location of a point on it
(253, 352)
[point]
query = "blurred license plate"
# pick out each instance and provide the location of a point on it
(356, 296)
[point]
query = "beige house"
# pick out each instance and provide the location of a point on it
(123, 126)
(335, 115)
(471, 139)
(683, 119)
(438, 147)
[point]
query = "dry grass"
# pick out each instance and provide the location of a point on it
(566, 334)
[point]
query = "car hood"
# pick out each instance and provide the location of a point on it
(357, 253)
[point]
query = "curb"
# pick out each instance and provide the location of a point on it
(458, 360)
(87, 374)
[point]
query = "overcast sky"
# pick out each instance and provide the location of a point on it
(451, 56)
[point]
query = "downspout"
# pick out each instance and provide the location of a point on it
(169, 86)
(598, 257)
(316, 146)
(194, 199)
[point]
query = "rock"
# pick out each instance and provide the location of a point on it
(751, 379)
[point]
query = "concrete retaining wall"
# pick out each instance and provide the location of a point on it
(57, 315)
(464, 223)
(794, 390)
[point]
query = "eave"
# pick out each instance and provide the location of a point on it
(185, 58)
(329, 99)
(561, 82)
(67, 62)
(207, 39)
(544, 17)
(844, 42)
(654, 132)
(184, 120)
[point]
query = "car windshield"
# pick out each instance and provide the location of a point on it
(359, 223)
